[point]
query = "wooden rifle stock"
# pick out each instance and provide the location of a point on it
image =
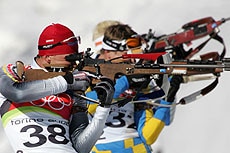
(39, 74)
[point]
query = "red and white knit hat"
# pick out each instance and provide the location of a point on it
(57, 39)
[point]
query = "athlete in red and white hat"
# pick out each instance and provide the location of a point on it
(36, 115)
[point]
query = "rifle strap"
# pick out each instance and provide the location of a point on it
(212, 36)
(198, 94)
(220, 39)
(187, 99)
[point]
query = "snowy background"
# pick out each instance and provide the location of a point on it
(199, 127)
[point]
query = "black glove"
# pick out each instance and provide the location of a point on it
(138, 80)
(68, 77)
(78, 80)
(174, 87)
(105, 91)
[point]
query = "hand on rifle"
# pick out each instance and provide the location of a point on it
(77, 80)
(174, 87)
(105, 91)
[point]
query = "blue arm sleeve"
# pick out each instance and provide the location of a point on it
(92, 95)
(163, 113)
(120, 86)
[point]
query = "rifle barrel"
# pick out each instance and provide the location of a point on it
(225, 19)
(226, 67)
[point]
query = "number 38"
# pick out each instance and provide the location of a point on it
(42, 138)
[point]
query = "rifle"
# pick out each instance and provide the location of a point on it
(98, 68)
(191, 31)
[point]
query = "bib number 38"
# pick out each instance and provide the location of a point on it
(55, 130)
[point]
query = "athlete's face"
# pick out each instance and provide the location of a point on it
(59, 60)
(49, 61)
(110, 55)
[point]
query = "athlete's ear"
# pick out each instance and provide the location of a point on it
(48, 59)
(107, 55)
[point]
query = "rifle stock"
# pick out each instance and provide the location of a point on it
(39, 74)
